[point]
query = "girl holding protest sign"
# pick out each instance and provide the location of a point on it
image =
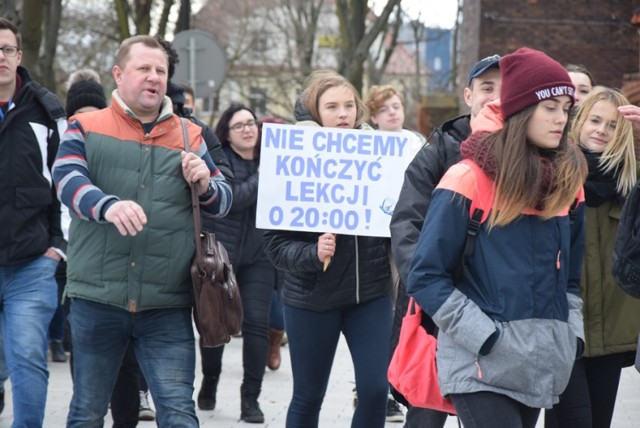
(508, 307)
(351, 297)
(239, 135)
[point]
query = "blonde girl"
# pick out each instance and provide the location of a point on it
(611, 318)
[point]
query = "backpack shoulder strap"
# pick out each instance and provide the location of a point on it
(573, 210)
(485, 192)
(478, 211)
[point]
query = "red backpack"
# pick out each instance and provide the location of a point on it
(412, 370)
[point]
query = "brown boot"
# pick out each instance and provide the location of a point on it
(275, 337)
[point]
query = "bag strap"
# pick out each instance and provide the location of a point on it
(413, 307)
(573, 211)
(195, 204)
(478, 213)
(472, 231)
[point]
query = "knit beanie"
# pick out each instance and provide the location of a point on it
(528, 77)
(85, 93)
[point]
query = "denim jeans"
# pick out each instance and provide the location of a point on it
(29, 297)
(491, 410)
(313, 339)
(4, 371)
(164, 344)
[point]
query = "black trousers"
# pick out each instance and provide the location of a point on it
(125, 398)
(491, 410)
(256, 283)
(590, 397)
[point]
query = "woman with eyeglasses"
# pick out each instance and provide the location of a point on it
(238, 132)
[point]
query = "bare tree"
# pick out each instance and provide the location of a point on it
(303, 18)
(31, 29)
(453, 76)
(184, 15)
(137, 12)
(53, 14)
(87, 40)
(39, 27)
(164, 18)
(122, 10)
(356, 40)
(269, 45)
(418, 30)
(272, 45)
(142, 16)
(9, 10)
(388, 41)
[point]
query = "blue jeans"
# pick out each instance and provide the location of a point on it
(313, 339)
(29, 297)
(164, 345)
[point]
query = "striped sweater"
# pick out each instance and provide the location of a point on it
(106, 156)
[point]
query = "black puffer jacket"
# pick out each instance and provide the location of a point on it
(359, 271)
(237, 231)
(421, 177)
(29, 207)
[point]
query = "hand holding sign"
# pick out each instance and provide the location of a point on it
(317, 179)
(326, 248)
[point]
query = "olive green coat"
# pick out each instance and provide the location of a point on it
(611, 317)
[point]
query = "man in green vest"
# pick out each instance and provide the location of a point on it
(123, 172)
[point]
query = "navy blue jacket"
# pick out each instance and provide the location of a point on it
(520, 287)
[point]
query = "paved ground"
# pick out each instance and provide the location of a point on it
(336, 410)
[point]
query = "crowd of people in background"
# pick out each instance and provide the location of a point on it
(97, 240)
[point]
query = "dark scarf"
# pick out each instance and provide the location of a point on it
(477, 150)
(600, 185)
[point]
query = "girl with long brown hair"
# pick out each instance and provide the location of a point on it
(510, 319)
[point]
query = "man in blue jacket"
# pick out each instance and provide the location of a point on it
(31, 238)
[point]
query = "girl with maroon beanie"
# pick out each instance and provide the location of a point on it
(510, 319)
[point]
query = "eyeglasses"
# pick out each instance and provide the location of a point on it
(9, 50)
(239, 127)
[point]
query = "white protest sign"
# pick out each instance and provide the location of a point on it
(317, 179)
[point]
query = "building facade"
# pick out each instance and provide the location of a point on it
(595, 33)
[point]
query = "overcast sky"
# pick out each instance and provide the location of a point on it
(435, 13)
